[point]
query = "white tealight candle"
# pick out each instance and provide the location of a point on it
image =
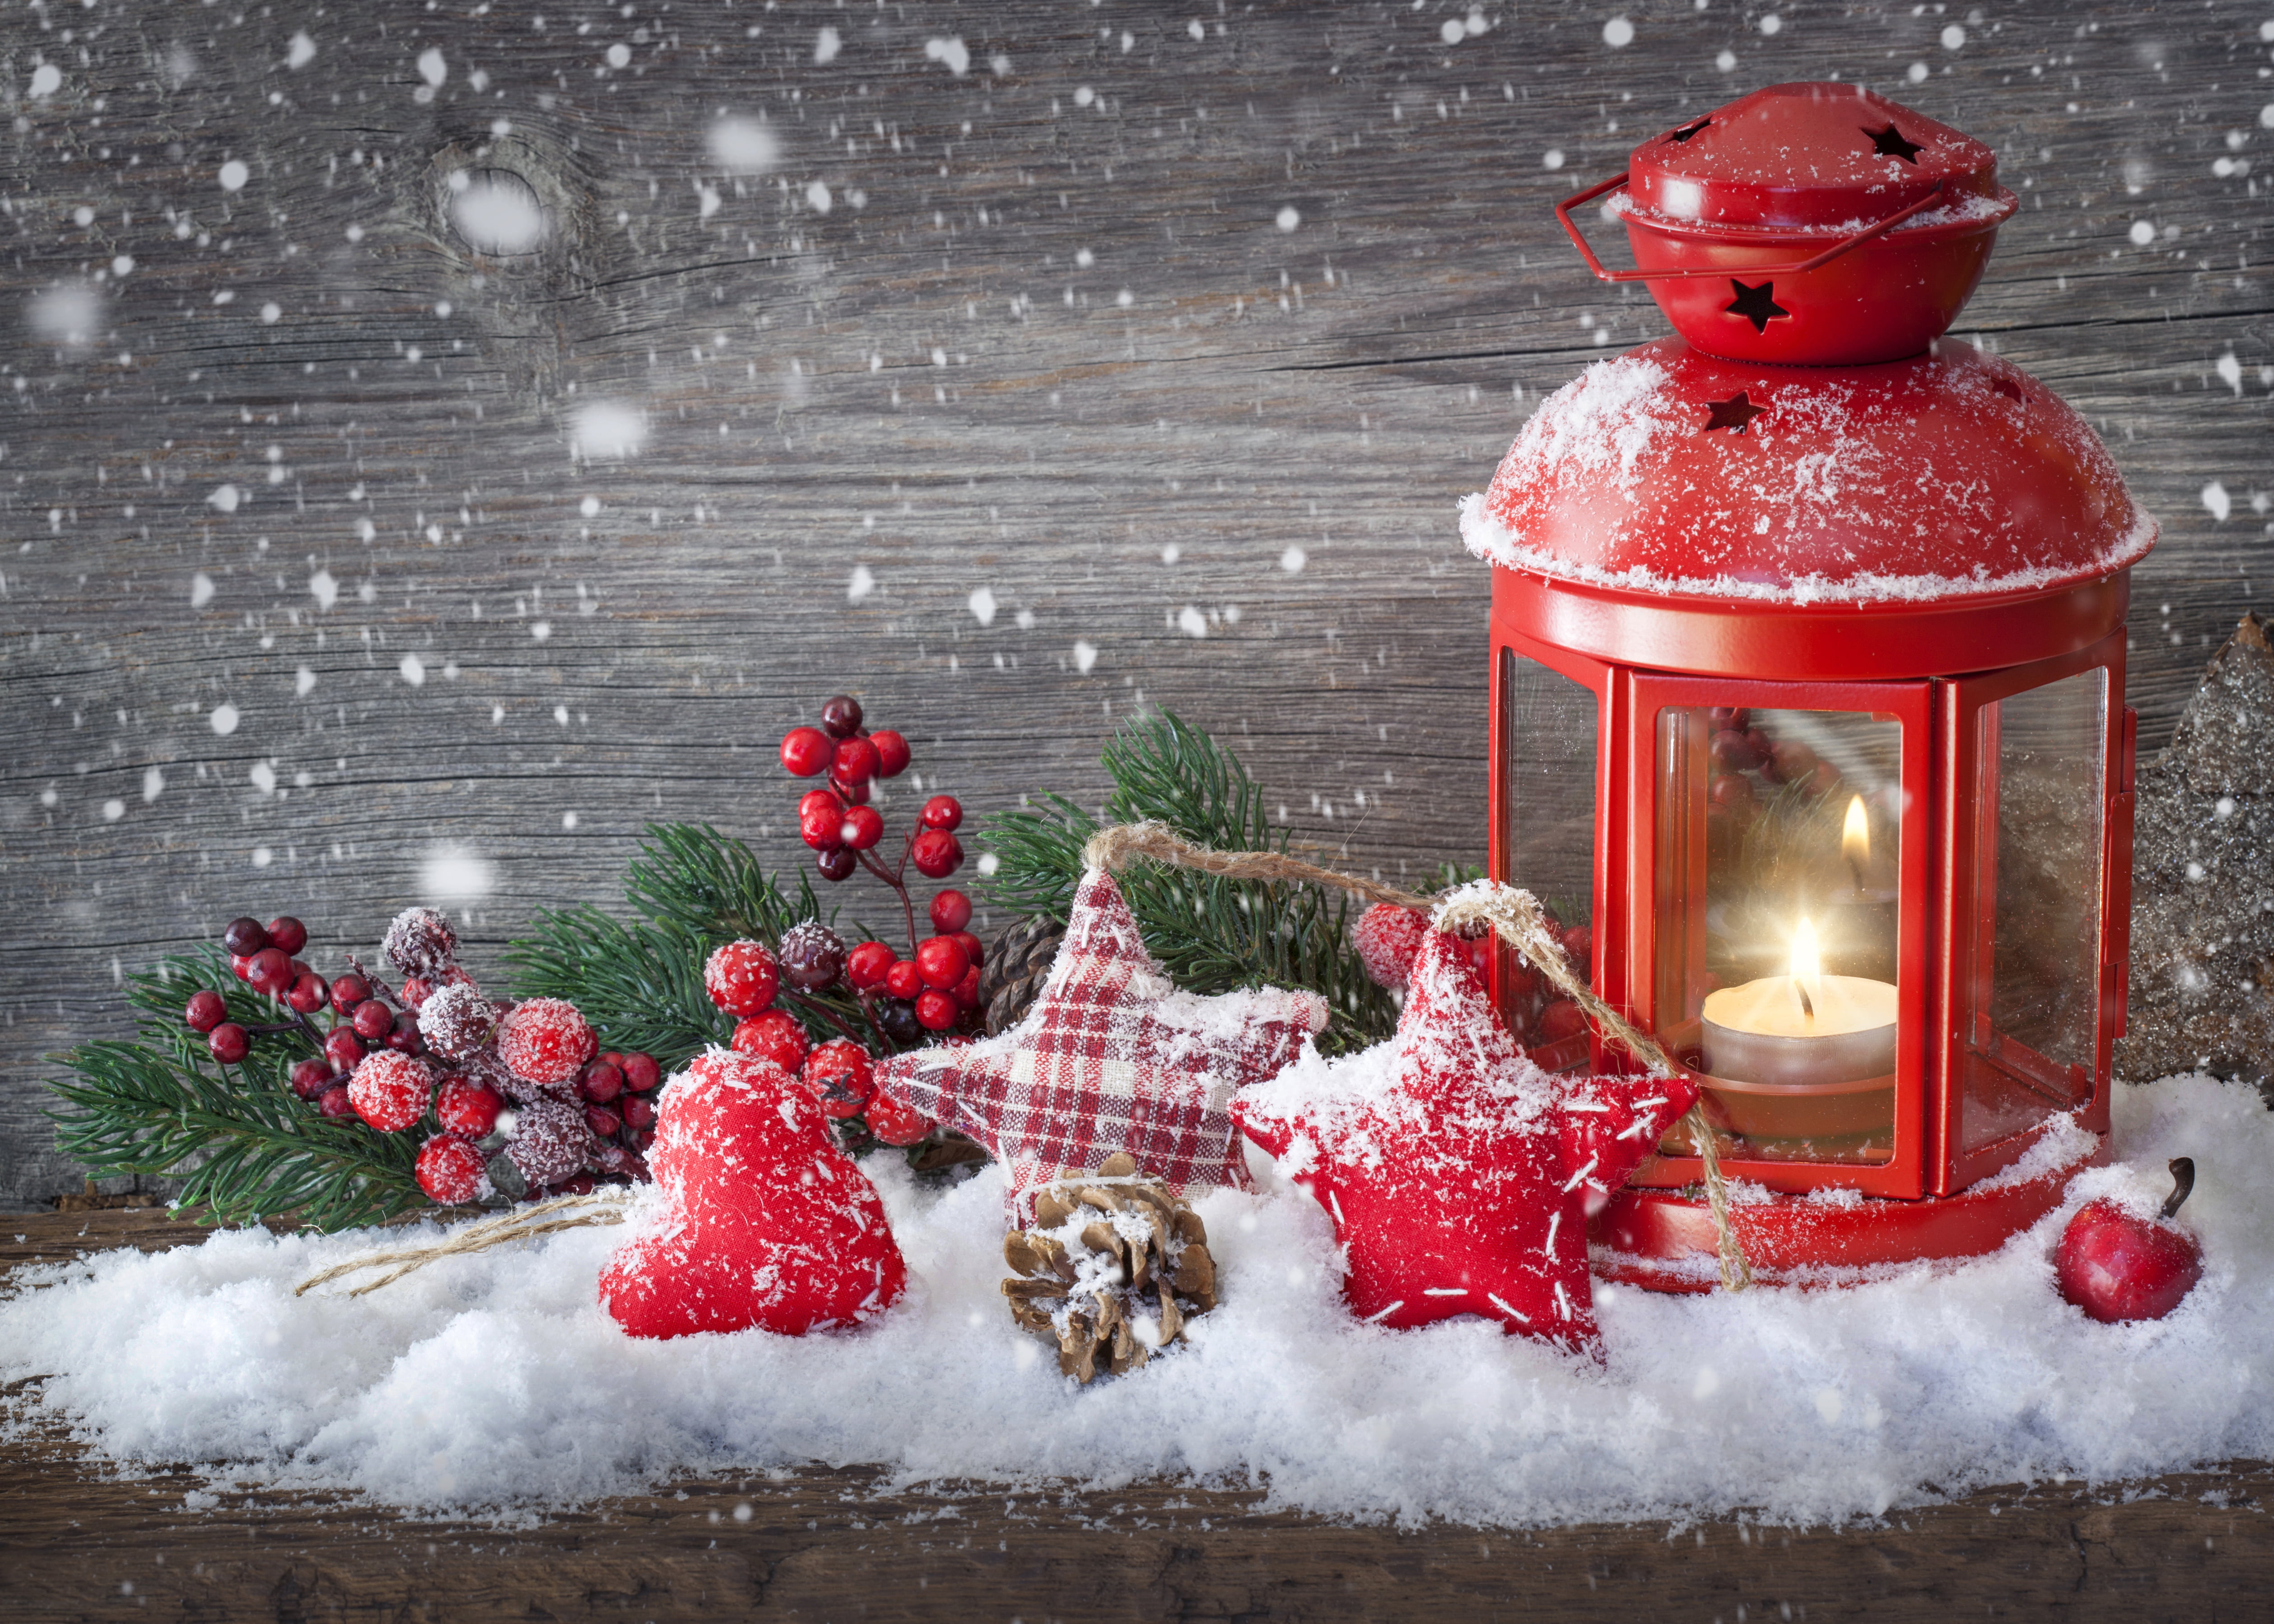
(1803, 1028)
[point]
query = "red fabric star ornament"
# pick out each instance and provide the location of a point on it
(1459, 1175)
(1111, 1056)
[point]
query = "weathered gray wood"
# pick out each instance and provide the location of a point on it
(78, 1543)
(904, 387)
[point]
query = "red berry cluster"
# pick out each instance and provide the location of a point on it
(390, 1057)
(840, 825)
(1745, 759)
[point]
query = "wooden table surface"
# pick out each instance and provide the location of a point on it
(1000, 364)
(79, 1542)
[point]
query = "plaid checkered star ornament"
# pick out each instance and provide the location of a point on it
(1111, 1056)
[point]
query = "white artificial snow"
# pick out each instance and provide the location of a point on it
(481, 1383)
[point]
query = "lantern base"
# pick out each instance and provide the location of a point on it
(1663, 1241)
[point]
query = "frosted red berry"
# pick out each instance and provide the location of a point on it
(837, 864)
(308, 993)
(856, 761)
(450, 1170)
(892, 753)
(1387, 938)
(935, 1012)
(343, 1047)
(420, 942)
(550, 1140)
(287, 933)
(457, 1022)
(902, 979)
(865, 965)
(840, 715)
(464, 1107)
(894, 1122)
(862, 828)
(741, 977)
(806, 751)
(391, 1091)
(942, 962)
(951, 912)
(936, 853)
(774, 1035)
(372, 1020)
(641, 1073)
(812, 956)
(205, 1010)
(944, 812)
(229, 1043)
(546, 1041)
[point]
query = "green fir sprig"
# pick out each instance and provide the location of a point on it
(247, 1147)
(1211, 934)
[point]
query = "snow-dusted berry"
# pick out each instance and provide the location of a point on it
(390, 1090)
(741, 977)
(421, 942)
(450, 1171)
(457, 1022)
(812, 956)
(550, 1141)
(840, 1075)
(1386, 937)
(774, 1035)
(894, 1122)
(546, 1041)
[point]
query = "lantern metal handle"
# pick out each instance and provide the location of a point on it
(1564, 213)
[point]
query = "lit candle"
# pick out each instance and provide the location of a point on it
(1862, 917)
(1802, 1028)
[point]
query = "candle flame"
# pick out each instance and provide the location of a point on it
(1855, 834)
(1807, 958)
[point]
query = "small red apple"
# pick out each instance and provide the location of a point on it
(2117, 1266)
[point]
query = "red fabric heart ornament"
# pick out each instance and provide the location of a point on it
(762, 1220)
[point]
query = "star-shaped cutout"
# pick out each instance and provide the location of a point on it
(1889, 143)
(1111, 1057)
(1732, 414)
(1459, 1175)
(1757, 306)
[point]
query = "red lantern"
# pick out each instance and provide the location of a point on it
(1808, 681)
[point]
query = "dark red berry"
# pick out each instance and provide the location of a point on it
(601, 1082)
(287, 933)
(334, 1102)
(972, 949)
(822, 829)
(837, 864)
(841, 716)
(812, 956)
(229, 1043)
(865, 965)
(806, 751)
(641, 1073)
(862, 828)
(344, 1048)
(892, 754)
(896, 1018)
(349, 991)
(942, 812)
(935, 1012)
(855, 762)
(270, 970)
(405, 1037)
(903, 980)
(1733, 752)
(372, 1020)
(966, 992)
(639, 1110)
(308, 993)
(310, 1078)
(614, 1158)
(936, 853)
(951, 912)
(602, 1120)
(817, 802)
(941, 961)
(245, 937)
(205, 1010)
(240, 966)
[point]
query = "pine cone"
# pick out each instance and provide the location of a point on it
(1016, 969)
(1110, 1271)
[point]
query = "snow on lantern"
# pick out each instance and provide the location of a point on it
(1808, 676)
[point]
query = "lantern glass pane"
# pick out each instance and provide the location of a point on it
(1776, 914)
(1548, 726)
(2034, 969)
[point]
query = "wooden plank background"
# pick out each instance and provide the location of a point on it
(1130, 356)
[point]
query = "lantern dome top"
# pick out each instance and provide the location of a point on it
(1824, 158)
(1950, 476)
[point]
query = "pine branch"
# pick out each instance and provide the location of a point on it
(248, 1147)
(1212, 935)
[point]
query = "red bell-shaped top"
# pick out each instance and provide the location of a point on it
(1813, 224)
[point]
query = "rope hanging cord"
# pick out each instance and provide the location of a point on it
(1515, 916)
(601, 1206)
